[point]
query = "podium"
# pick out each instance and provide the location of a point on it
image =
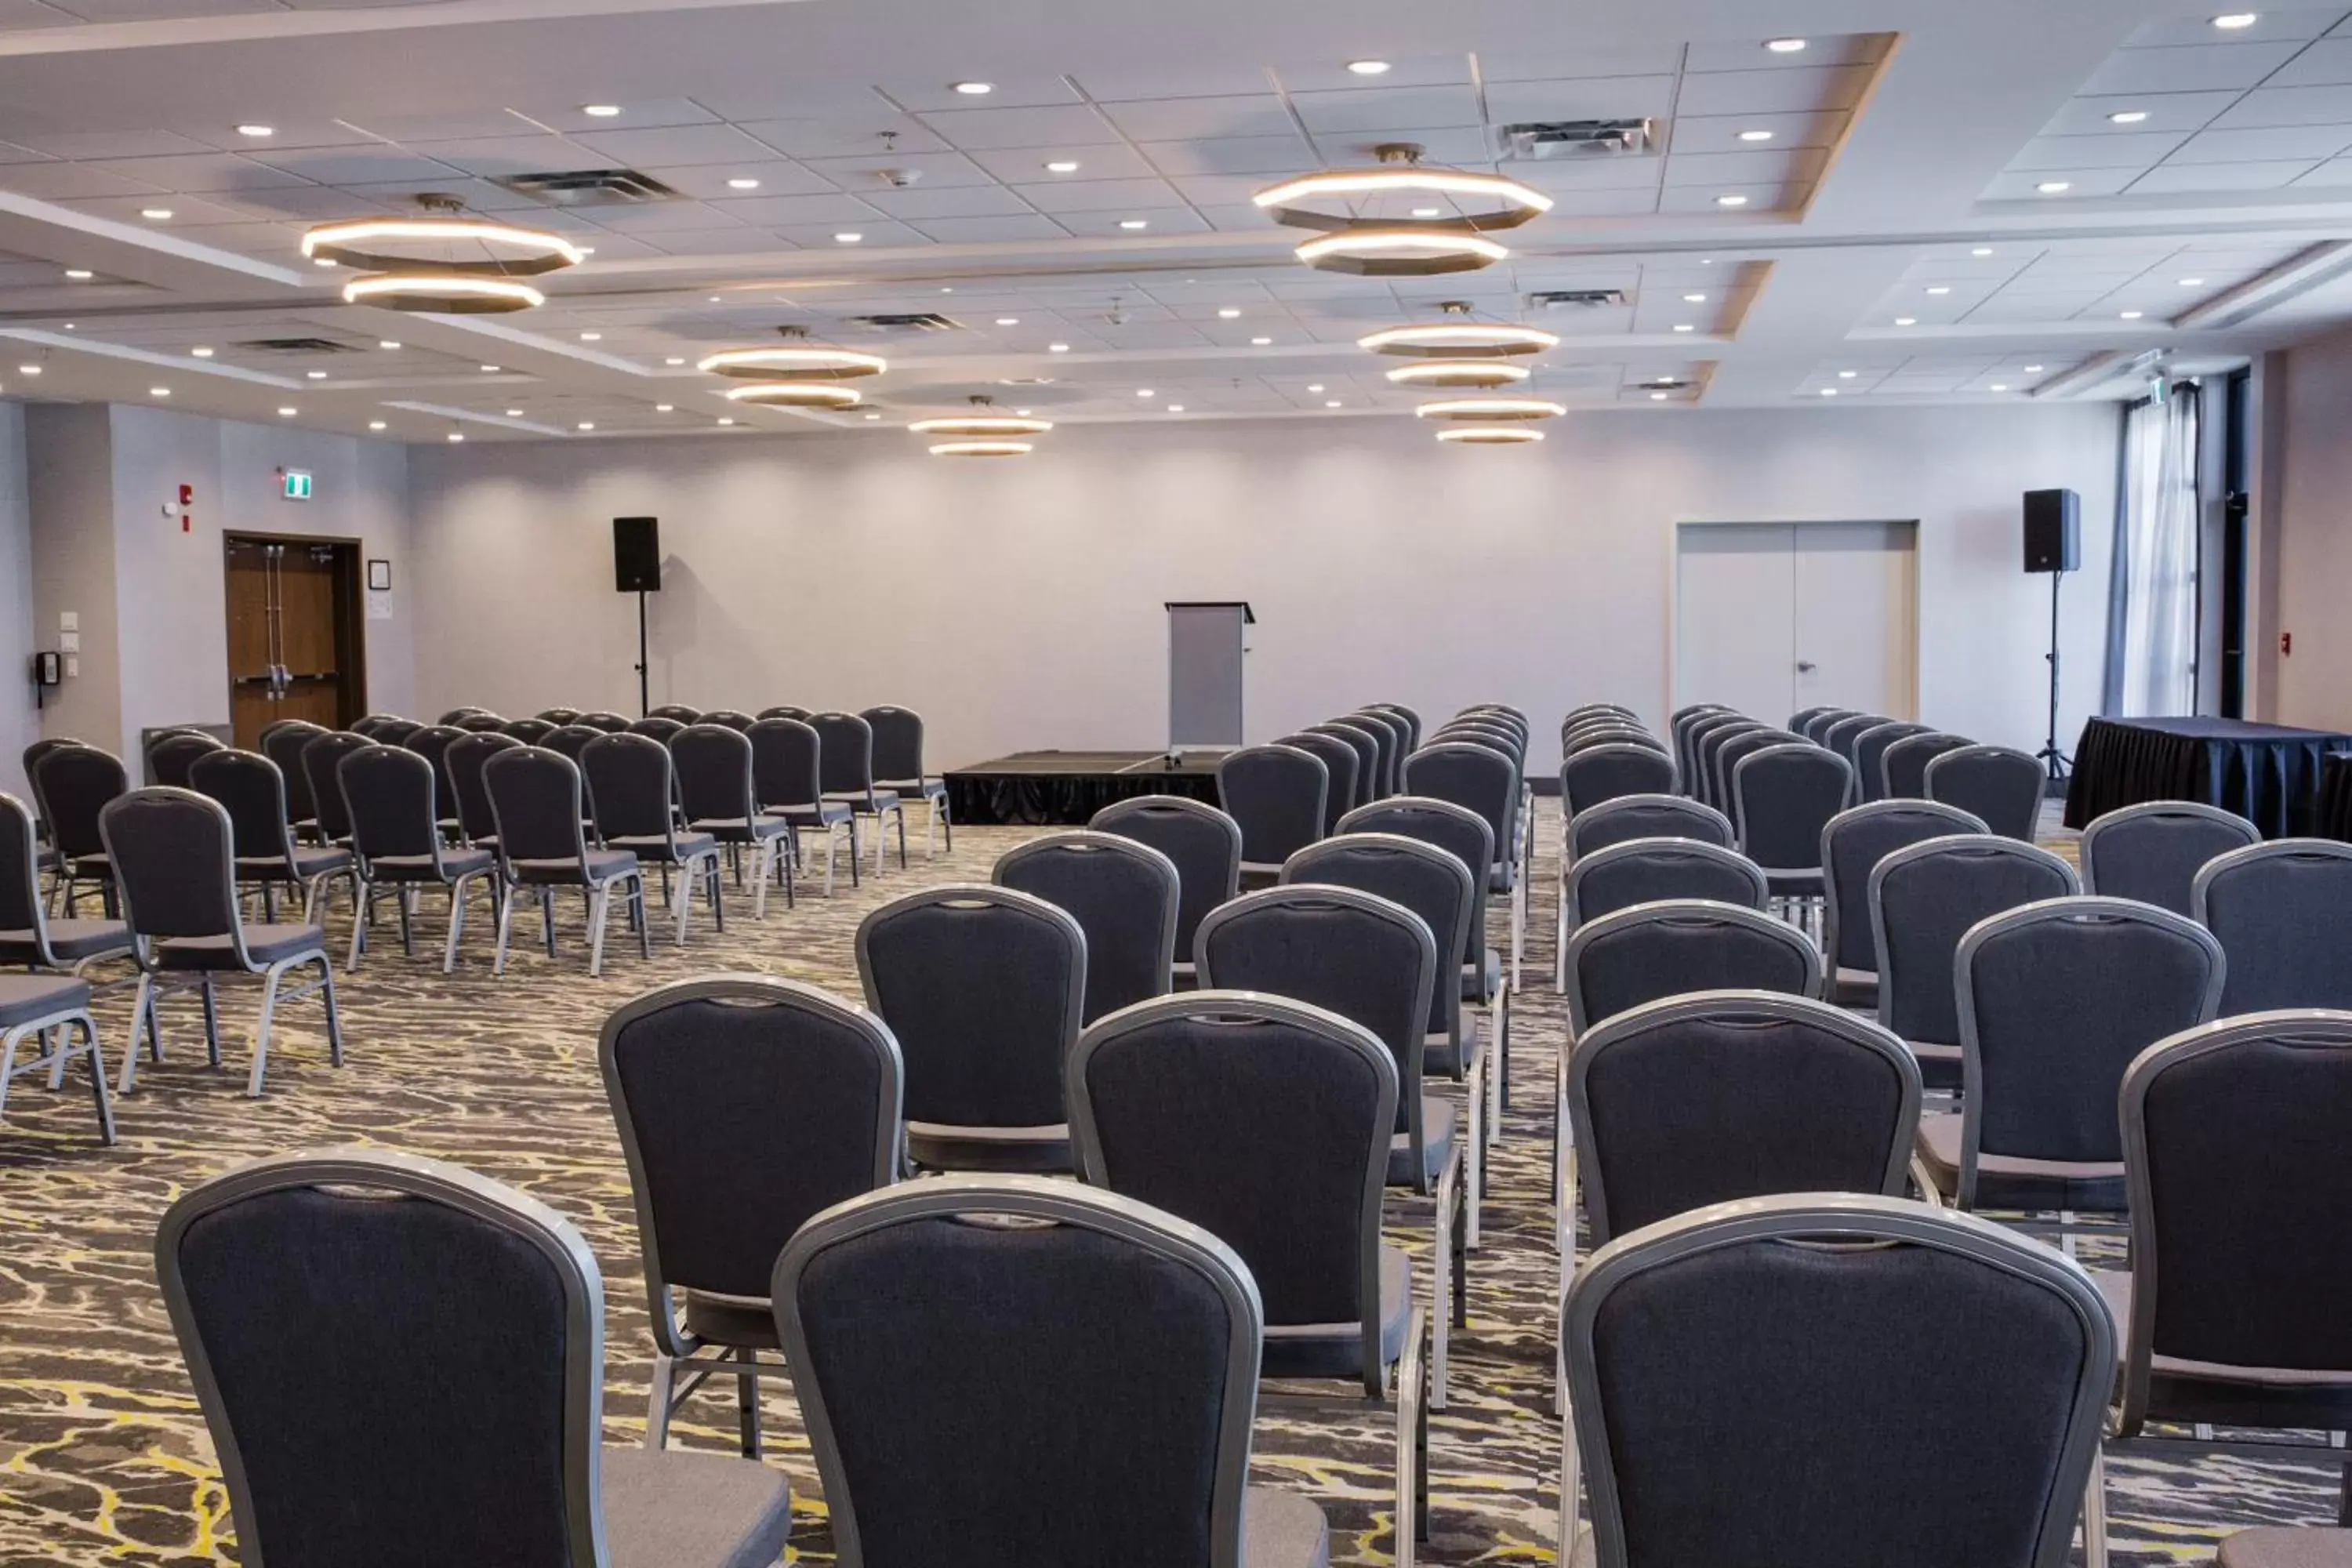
(1207, 642)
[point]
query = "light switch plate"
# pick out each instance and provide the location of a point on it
(69, 620)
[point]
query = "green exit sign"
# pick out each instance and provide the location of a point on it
(298, 484)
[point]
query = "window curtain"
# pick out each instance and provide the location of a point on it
(2152, 593)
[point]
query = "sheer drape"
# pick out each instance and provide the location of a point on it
(2152, 596)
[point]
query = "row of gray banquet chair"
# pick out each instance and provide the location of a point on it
(1717, 1053)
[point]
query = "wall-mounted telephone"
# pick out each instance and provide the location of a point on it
(49, 670)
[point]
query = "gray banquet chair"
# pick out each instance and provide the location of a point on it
(1371, 781)
(536, 799)
(1840, 735)
(2002, 785)
(601, 718)
(653, 727)
(1781, 798)
(1084, 1395)
(30, 938)
(899, 768)
(1903, 766)
(746, 1104)
(2279, 909)
(283, 742)
(1804, 716)
(1707, 740)
(846, 768)
(727, 719)
(1595, 775)
(1923, 898)
(1646, 817)
(2153, 851)
(1486, 782)
(480, 722)
(787, 777)
(1340, 773)
(717, 795)
(557, 715)
(251, 789)
(530, 732)
(53, 1012)
(467, 755)
(1852, 843)
(388, 795)
(460, 1325)
(175, 857)
(1390, 745)
(1676, 945)
(1840, 1382)
(1644, 870)
(1870, 756)
(433, 743)
(1682, 727)
(1202, 843)
(1124, 895)
(985, 988)
(1817, 727)
(676, 712)
(631, 790)
(1278, 794)
(1729, 755)
(323, 762)
(2056, 1000)
(72, 786)
(169, 759)
(1402, 715)
(1193, 1105)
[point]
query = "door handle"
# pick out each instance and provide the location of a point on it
(1805, 666)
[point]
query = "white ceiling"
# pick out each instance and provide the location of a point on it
(1893, 223)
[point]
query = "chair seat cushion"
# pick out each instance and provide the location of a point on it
(1480, 983)
(731, 1320)
(1939, 1065)
(675, 850)
(72, 940)
(921, 789)
(1283, 1530)
(602, 866)
(1037, 1151)
(1855, 988)
(455, 863)
(1440, 1056)
(2017, 1182)
(2287, 1549)
(1437, 1123)
(879, 800)
(265, 944)
(672, 1510)
(25, 998)
(817, 815)
(1336, 1350)
(735, 830)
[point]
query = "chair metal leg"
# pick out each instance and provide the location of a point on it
(600, 903)
(457, 924)
(142, 1008)
(900, 813)
(658, 1403)
(682, 900)
(2094, 1512)
(406, 897)
(8, 1043)
(96, 1060)
(764, 869)
(360, 923)
(334, 1012)
(547, 918)
(635, 894)
(1412, 1444)
(854, 853)
(505, 918)
(1441, 1271)
(718, 889)
(747, 1404)
(212, 1022)
(261, 1033)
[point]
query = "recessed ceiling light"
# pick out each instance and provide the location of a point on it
(386, 344)
(69, 326)
(664, 407)
(1785, 45)
(79, 274)
(2236, 21)
(1134, 223)
(1981, 250)
(1261, 342)
(874, 416)
(28, 370)
(2192, 282)
(1426, 212)
(287, 412)
(456, 434)
(1755, 136)
(514, 413)
(1008, 320)
(1315, 386)
(600, 111)
(675, 359)
(1940, 288)
(316, 374)
(1685, 327)
(1229, 313)
(592, 337)
(323, 261)
(587, 425)
(1063, 166)
(1146, 392)
(714, 300)
(727, 422)
(156, 215)
(1658, 397)
(1731, 201)
(1906, 320)
(1057, 348)
(375, 425)
(949, 288)
(1829, 391)
(201, 351)
(1693, 298)
(2033, 370)
(2132, 315)
(1369, 67)
(158, 391)
(1999, 387)
(258, 131)
(742, 183)
(1848, 374)
(2054, 187)
(1175, 408)
(2127, 117)
(1331, 402)
(974, 89)
(1021, 413)
(848, 237)
(1665, 381)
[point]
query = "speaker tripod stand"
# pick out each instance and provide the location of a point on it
(644, 687)
(2055, 762)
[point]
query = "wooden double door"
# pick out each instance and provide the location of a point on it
(296, 649)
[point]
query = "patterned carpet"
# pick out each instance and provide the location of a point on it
(104, 1458)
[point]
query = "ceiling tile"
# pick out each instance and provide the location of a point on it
(1006, 92)
(1010, 228)
(1623, 98)
(56, 180)
(1362, 109)
(2096, 151)
(480, 125)
(1160, 221)
(1118, 84)
(2269, 27)
(2188, 69)
(879, 133)
(109, 144)
(1558, 176)
(1232, 155)
(206, 172)
(1187, 118)
(1720, 133)
(295, 131)
(638, 114)
(877, 234)
(2165, 112)
(1605, 204)
(1026, 165)
(1456, 146)
(1844, 49)
(1405, 71)
(2265, 176)
(2332, 174)
(1130, 196)
(2288, 106)
(1761, 198)
(2306, 141)
(515, 155)
(735, 240)
(1788, 91)
(1731, 171)
(947, 201)
(352, 166)
(2019, 184)
(1072, 126)
(1551, 65)
(777, 177)
(776, 212)
(680, 144)
(929, 170)
(658, 216)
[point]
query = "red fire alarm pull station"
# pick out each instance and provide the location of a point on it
(187, 498)
(2286, 644)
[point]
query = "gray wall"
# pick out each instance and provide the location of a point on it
(20, 723)
(2310, 535)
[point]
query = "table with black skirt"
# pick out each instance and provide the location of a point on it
(2333, 817)
(1067, 788)
(2267, 773)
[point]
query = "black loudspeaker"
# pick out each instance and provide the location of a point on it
(2053, 531)
(637, 554)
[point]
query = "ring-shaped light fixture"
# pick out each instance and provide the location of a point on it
(1491, 408)
(795, 394)
(443, 293)
(1487, 373)
(980, 424)
(1402, 251)
(1459, 339)
(359, 243)
(982, 449)
(802, 363)
(1504, 203)
(1489, 435)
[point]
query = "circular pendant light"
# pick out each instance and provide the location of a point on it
(1491, 408)
(1338, 199)
(795, 394)
(1399, 250)
(981, 425)
(443, 293)
(982, 449)
(1489, 373)
(1488, 435)
(424, 243)
(812, 363)
(1458, 337)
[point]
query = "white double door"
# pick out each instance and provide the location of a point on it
(1773, 618)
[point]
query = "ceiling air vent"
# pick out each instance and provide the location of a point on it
(911, 321)
(1668, 384)
(1575, 138)
(588, 187)
(297, 346)
(1576, 299)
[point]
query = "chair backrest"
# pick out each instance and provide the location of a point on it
(1595, 775)
(1604, 732)
(1852, 843)
(467, 757)
(2153, 851)
(2279, 910)
(897, 743)
(1633, 817)
(432, 742)
(21, 903)
(1903, 766)
(173, 856)
(1202, 843)
(1817, 727)
(746, 1104)
(1339, 759)
(391, 801)
(1387, 734)
(530, 732)
(1690, 746)
(630, 786)
(283, 743)
(785, 710)
(713, 766)
(1277, 793)
(2057, 999)
(456, 1321)
(653, 727)
(1803, 716)
(1645, 870)
(1840, 1382)
(679, 712)
(611, 723)
(784, 769)
(253, 792)
(393, 731)
(1403, 715)
(1840, 734)
(1368, 959)
(1473, 777)
(984, 989)
(72, 785)
(1782, 797)
(1923, 898)
(171, 755)
(1724, 1095)
(536, 799)
(1433, 883)
(558, 715)
(1740, 746)
(1456, 829)
(1081, 1393)
(1870, 755)
(844, 753)
(1706, 744)
(481, 720)
(322, 764)
(456, 716)
(728, 719)
(1200, 1106)
(1356, 734)
(2233, 1140)
(571, 738)
(1665, 949)
(1124, 895)
(369, 723)
(2000, 785)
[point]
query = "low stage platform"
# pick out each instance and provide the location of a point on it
(1067, 788)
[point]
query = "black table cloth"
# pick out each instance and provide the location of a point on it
(2333, 817)
(2267, 773)
(1067, 788)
